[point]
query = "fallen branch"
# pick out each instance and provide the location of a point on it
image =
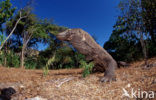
(64, 81)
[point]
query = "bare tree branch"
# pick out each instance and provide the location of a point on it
(12, 30)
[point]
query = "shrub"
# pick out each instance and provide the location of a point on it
(87, 67)
(12, 60)
(46, 68)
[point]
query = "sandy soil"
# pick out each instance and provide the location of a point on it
(68, 84)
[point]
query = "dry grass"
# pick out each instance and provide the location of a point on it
(68, 84)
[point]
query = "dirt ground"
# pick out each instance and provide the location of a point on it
(68, 84)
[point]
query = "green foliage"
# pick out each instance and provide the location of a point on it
(6, 12)
(123, 48)
(12, 60)
(55, 29)
(87, 67)
(149, 16)
(151, 48)
(30, 63)
(125, 41)
(66, 56)
(2, 56)
(29, 26)
(45, 71)
(2, 38)
(46, 68)
(29, 33)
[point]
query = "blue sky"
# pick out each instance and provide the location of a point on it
(97, 17)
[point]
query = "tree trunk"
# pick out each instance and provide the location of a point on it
(22, 56)
(5, 55)
(5, 61)
(144, 50)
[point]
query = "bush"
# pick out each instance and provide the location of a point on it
(12, 60)
(87, 67)
(2, 56)
(50, 61)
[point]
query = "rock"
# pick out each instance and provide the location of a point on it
(36, 98)
(6, 93)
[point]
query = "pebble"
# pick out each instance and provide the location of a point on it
(36, 98)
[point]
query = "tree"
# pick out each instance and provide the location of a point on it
(123, 47)
(131, 23)
(149, 17)
(29, 31)
(6, 13)
(2, 44)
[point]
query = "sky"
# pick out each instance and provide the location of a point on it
(97, 17)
